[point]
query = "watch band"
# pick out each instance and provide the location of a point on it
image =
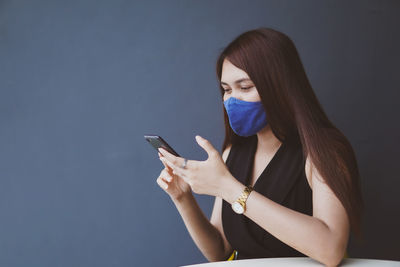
(243, 197)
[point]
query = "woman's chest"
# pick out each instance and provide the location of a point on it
(260, 164)
(263, 164)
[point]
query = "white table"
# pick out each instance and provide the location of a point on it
(295, 261)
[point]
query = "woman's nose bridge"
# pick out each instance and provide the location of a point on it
(236, 94)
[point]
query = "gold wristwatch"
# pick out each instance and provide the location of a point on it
(239, 206)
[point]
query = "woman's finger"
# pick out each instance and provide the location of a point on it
(176, 170)
(162, 159)
(172, 158)
(165, 165)
(162, 183)
(166, 176)
(177, 162)
(179, 172)
(182, 174)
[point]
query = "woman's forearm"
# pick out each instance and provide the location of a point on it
(207, 238)
(305, 233)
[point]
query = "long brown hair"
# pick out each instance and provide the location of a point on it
(271, 60)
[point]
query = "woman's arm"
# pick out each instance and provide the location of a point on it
(207, 235)
(322, 236)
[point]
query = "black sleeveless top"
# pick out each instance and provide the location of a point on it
(283, 181)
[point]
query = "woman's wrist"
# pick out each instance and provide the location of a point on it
(184, 196)
(231, 189)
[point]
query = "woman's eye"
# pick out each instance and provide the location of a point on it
(243, 88)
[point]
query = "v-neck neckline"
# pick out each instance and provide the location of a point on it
(269, 165)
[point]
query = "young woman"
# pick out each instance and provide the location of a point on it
(287, 183)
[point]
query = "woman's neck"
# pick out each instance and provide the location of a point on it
(267, 141)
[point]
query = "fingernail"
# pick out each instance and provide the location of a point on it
(166, 186)
(169, 179)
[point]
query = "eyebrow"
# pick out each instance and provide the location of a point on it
(238, 81)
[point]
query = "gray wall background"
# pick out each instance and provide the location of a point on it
(82, 81)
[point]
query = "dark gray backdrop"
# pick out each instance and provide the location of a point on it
(82, 81)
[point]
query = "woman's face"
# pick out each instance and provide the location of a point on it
(237, 83)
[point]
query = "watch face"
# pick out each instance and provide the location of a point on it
(237, 207)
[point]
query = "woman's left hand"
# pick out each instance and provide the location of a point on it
(204, 177)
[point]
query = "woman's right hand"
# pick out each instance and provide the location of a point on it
(174, 185)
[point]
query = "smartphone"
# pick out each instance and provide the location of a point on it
(156, 141)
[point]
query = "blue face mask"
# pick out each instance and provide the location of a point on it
(246, 118)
